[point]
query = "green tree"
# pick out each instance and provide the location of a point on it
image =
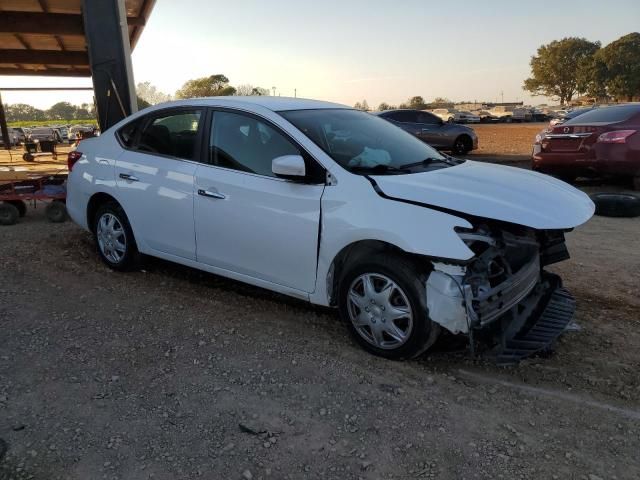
(364, 106)
(417, 103)
(554, 68)
(383, 106)
(21, 112)
(151, 94)
(619, 65)
(212, 86)
(142, 103)
(248, 90)
(61, 111)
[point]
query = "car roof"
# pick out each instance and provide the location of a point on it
(276, 104)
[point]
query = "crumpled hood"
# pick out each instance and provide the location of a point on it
(498, 192)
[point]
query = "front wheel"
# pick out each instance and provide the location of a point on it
(382, 300)
(114, 237)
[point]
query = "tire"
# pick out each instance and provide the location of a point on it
(20, 205)
(27, 157)
(414, 333)
(462, 145)
(616, 204)
(56, 211)
(9, 214)
(450, 120)
(120, 231)
(508, 119)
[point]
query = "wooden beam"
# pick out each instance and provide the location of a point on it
(49, 57)
(50, 23)
(49, 72)
(41, 23)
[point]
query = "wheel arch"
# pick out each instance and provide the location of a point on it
(357, 250)
(97, 199)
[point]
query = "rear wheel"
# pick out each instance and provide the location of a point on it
(114, 237)
(462, 145)
(383, 302)
(9, 214)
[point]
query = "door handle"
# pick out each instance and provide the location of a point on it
(131, 178)
(210, 194)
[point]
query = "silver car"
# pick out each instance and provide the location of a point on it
(429, 128)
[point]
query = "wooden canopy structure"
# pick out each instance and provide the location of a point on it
(47, 37)
(75, 38)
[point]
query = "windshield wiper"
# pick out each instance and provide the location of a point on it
(380, 168)
(425, 162)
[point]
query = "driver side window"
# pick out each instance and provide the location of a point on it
(244, 143)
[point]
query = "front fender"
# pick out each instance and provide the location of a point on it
(411, 228)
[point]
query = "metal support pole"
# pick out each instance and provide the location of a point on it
(3, 127)
(106, 32)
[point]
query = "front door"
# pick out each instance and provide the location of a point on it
(155, 180)
(248, 221)
(431, 131)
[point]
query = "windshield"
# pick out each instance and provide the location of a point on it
(364, 143)
(606, 115)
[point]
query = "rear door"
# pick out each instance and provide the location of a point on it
(431, 130)
(155, 178)
(248, 221)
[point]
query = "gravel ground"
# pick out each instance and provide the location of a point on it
(170, 373)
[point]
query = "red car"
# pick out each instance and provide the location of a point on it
(602, 142)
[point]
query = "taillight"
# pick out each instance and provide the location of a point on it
(72, 158)
(617, 136)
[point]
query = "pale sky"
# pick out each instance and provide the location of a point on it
(349, 50)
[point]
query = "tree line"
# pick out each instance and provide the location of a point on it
(574, 66)
(416, 103)
(147, 94)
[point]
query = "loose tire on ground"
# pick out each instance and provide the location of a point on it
(129, 258)
(411, 282)
(56, 211)
(616, 204)
(9, 214)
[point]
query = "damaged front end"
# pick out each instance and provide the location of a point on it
(503, 292)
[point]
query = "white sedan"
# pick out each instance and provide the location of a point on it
(337, 207)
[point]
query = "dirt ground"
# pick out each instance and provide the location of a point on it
(508, 143)
(170, 373)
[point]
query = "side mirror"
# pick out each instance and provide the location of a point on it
(291, 167)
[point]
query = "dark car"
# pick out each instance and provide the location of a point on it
(458, 139)
(602, 142)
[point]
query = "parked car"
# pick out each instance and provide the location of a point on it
(444, 114)
(569, 115)
(433, 130)
(603, 141)
(46, 133)
(465, 117)
(486, 116)
(22, 133)
(337, 207)
(15, 137)
(504, 114)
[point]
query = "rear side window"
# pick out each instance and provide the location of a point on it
(606, 115)
(173, 135)
(403, 116)
(127, 134)
(424, 117)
